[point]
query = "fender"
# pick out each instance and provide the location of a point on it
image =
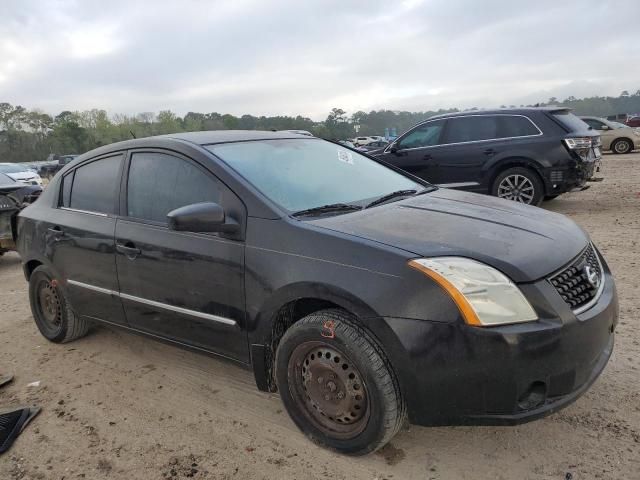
(493, 167)
(260, 326)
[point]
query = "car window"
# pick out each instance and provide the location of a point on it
(93, 186)
(159, 183)
(471, 128)
(569, 121)
(425, 135)
(510, 126)
(595, 124)
(67, 182)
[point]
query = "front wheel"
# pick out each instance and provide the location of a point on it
(520, 185)
(337, 385)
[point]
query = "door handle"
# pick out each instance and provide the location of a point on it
(128, 249)
(56, 232)
(427, 157)
(489, 151)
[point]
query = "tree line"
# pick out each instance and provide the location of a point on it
(32, 135)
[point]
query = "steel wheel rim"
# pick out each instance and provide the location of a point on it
(329, 390)
(518, 188)
(49, 306)
(622, 147)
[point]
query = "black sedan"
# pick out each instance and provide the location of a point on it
(362, 294)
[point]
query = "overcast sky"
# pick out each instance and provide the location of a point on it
(306, 56)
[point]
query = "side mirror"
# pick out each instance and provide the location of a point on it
(201, 217)
(394, 148)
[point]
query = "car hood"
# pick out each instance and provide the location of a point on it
(524, 242)
(22, 175)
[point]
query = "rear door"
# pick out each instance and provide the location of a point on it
(474, 143)
(470, 141)
(80, 237)
(186, 287)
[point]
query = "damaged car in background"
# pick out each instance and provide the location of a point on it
(14, 196)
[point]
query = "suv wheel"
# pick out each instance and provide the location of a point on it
(337, 384)
(519, 184)
(622, 146)
(53, 315)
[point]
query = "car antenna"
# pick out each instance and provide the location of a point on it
(132, 134)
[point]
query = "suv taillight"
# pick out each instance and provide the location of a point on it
(578, 143)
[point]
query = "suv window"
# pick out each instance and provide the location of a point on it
(515, 126)
(471, 128)
(93, 186)
(159, 183)
(569, 121)
(426, 135)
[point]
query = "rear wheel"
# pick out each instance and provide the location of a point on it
(622, 146)
(520, 185)
(51, 311)
(337, 384)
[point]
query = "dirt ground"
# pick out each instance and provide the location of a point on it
(120, 406)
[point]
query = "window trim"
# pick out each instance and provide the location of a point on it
(124, 186)
(72, 172)
(446, 127)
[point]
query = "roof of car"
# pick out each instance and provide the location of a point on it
(225, 136)
(503, 111)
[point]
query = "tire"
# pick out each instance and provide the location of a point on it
(347, 398)
(519, 184)
(51, 311)
(548, 198)
(622, 146)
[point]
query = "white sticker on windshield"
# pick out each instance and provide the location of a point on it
(345, 156)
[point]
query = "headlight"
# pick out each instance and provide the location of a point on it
(484, 296)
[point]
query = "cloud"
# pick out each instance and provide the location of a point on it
(291, 57)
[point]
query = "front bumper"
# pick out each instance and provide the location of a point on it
(454, 374)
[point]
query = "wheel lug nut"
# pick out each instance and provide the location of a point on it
(320, 379)
(327, 397)
(340, 395)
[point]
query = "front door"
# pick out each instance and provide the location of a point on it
(186, 287)
(80, 238)
(417, 152)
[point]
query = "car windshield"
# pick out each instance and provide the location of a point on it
(5, 180)
(302, 174)
(11, 168)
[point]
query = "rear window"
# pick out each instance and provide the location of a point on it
(93, 187)
(570, 121)
(516, 126)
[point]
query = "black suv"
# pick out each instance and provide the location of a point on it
(527, 154)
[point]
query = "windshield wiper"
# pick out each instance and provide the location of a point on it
(332, 207)
(389, 196)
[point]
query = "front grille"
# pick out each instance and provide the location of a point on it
(573, 282)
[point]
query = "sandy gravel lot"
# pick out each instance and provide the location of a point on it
(119, 406)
